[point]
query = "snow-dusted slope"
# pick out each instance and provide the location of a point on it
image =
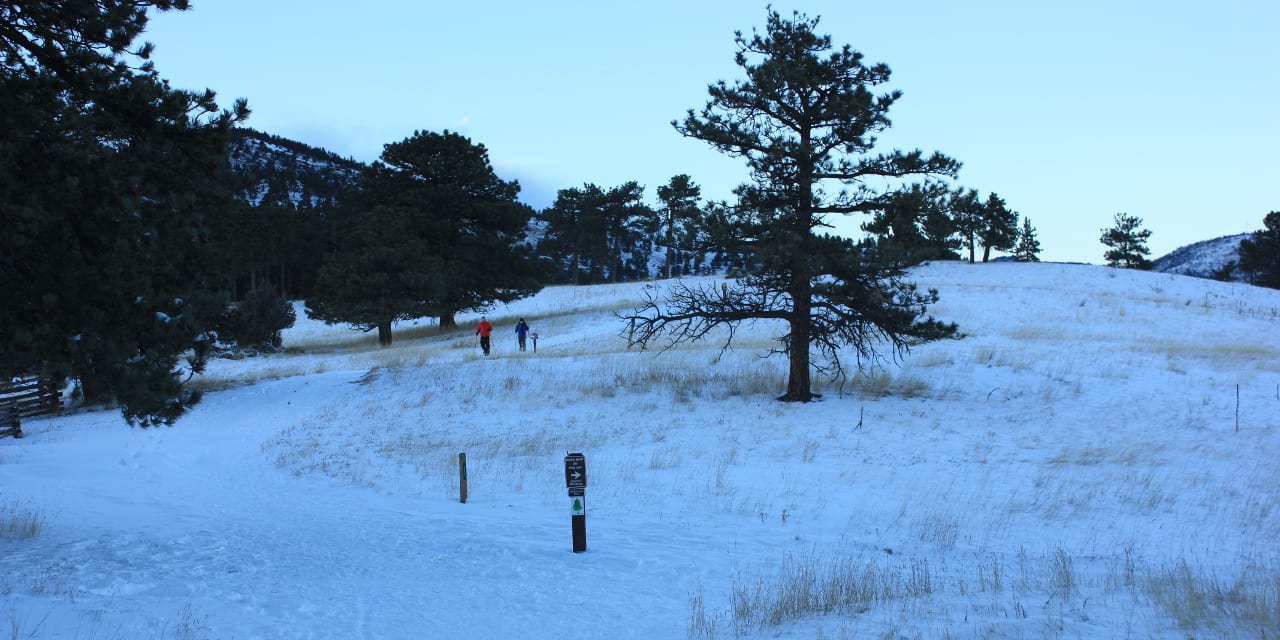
(1203, 259)
(1096, 459)
(289, 173)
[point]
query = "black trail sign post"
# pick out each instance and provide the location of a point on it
(462, 477)
(575, 478)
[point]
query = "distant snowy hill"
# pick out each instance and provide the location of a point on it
(283, 172)
(1204, 259)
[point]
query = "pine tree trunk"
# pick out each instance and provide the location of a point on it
(800, 289)
(448, 321)
(384, 333)
(670, 248)
(798, 382)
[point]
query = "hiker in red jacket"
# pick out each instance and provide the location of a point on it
(483, 330)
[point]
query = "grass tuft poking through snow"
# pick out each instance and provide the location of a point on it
(20, 521)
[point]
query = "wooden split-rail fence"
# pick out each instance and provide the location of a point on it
(26, 397)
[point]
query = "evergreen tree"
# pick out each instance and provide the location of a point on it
(113, 187)
(680, 216)
(265, 241)
(719, 237)
(590, 231)
(1028, 247)
(379, 272)
(1127, 242)
(988, 223)
(1260, 253)
(440, 234)
(568, 238)
(628, 247)
(804, 117)
(257, 321)
(1226, 272)
(999, 226)
(967, 213)
(914, 225)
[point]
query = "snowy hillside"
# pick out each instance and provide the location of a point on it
(1096, 459)
(284, 172)
(1203, 259)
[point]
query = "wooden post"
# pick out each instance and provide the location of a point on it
(575, 478)
(578, 522)
(11, 424)
(462, 477)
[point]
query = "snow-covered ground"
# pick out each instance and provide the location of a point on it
(1096, 459)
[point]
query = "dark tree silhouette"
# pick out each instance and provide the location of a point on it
(1027, 248)
(113, 194)
(1260, 253)
(1127, 243)
(804, 118)
(440, 234)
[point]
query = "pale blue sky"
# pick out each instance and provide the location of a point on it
(1070, 111)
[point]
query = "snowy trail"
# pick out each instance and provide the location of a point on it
(197, 518)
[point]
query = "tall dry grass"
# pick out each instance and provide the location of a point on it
(20, 521)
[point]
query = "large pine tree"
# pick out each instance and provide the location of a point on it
(112, 187)
(678, 220)
(805, 119)
(439, 234)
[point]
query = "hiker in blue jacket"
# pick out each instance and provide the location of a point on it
(522, 331)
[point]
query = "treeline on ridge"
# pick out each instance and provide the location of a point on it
(294, 198)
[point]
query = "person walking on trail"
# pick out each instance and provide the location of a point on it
(483, 330)
(522, 332)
